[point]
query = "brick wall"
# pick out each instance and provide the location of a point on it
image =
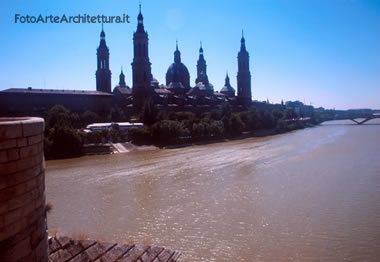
(23, 230)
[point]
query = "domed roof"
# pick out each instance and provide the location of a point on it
(177, 71)
(227, 89)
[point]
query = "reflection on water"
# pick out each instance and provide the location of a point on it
(309, 195)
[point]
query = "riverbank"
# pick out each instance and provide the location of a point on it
(245, 135)
(126, 147)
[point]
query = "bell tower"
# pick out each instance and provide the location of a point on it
(201, 68)
(244, 96)
(141, 67)
(103, 73)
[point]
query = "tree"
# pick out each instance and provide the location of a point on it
(89, 117)
(63, 142)
(149, 112)
(58, 115)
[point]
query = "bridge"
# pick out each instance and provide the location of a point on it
(366, 118)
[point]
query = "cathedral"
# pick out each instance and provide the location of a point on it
(177, 91)
(177, 94)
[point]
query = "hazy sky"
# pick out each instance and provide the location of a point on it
(324, 52)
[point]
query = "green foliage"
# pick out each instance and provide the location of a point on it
(94, 137)
(58, 115)
(237, 125)
(63, 141)
(139, 136)
(149, 113)
(169, 131)
(116, 114)
(281, 126)
(89, 117)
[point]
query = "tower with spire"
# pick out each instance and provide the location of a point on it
(244, 96)
(201, 68)
(227, 89)
(141, 66)
(122, 79)
(103, 73)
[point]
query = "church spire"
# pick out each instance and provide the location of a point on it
(122, 79)
(177, 54)
(102, 39)
(227, 82)
(140, 21)
(242, 47)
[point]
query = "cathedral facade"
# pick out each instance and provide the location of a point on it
(175, 94)
(177, 90)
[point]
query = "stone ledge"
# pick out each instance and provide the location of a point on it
(15, 127)
(66, 249)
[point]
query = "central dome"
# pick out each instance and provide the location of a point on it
(177, 72)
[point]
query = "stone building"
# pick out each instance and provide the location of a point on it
(176, 92)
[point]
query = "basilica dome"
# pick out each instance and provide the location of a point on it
(177, 72)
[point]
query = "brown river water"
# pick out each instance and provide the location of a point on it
(308, 195)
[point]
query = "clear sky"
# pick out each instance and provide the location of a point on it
(324, 52)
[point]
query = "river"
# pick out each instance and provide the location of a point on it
(308, 195)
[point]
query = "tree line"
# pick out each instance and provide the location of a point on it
(64, 135)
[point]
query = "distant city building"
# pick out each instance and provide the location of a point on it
(300, 108)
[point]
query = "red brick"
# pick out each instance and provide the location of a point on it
(32, 127)
(3, 182)
(34, 182)
(20, 177)
(17, 214)
(12, 192)
(4, 206)
(10, 230)
(13, 154)
(36, 215)
(10, 130)
(38, 234)
(29, 162)
(35, 139)
(8, 168)
(42, 249)
(29, 151)
(21, 142)
(22, 199)
(21, 249)
(3, 156)
(9, 143)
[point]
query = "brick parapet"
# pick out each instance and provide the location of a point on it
(23, 229)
